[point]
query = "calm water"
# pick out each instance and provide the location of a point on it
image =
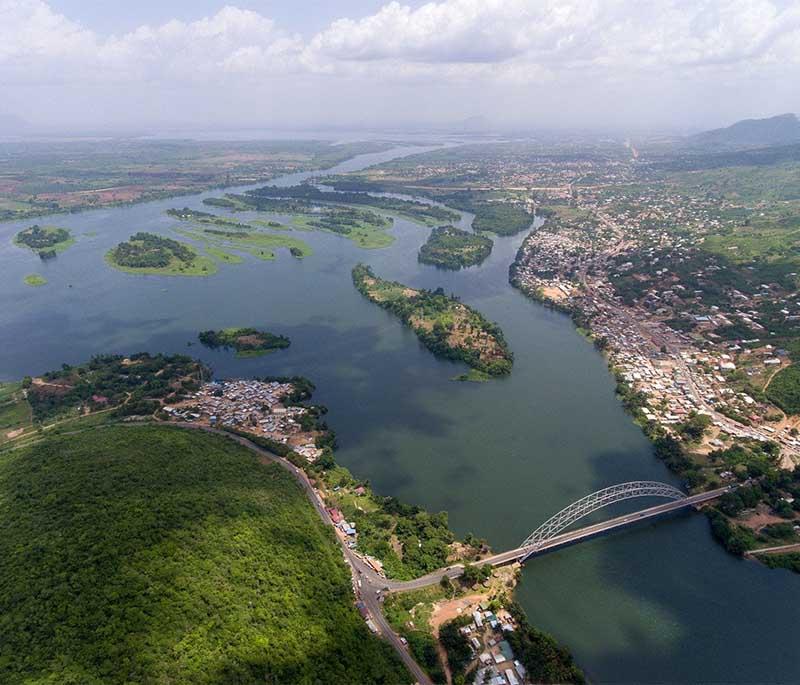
(661, 603)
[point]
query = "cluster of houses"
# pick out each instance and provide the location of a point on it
(678, 375)
(496, 662)
(251, 405)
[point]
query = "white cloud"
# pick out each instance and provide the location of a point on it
(507, 47)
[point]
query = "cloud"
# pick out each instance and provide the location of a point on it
(37, 43)
(450, 40)
(513, 57)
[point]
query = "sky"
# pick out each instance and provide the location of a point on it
(105, 65)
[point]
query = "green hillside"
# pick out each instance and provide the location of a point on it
(159, 555)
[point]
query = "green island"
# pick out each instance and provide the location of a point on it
(366, 228)
(445, 325)
(35, 280)
(217, 242)
(46, 241)
(198, 217)
(147, 253)
(204, 566)
(503, 213)
(452, 248)
(248, 342)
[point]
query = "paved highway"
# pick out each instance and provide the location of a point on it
(521, 553)
(372, 585)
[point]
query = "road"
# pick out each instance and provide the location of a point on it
(521, 553)
(372, 585)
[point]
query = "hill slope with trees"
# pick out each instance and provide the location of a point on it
(158, 555)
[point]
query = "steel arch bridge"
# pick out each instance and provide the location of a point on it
(591, 503)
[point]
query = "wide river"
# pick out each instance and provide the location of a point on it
(659, 603)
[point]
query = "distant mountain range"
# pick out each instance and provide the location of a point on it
(780, 130)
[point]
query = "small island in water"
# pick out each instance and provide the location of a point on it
(46, 241)
(147, 253)
(248, 342)
(445, 325)
(452, 248)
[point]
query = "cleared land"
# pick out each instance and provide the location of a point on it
(43, 178)
(446, 326)
(204, 566)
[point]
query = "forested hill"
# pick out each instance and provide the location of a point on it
(780, 130)
(161, 555)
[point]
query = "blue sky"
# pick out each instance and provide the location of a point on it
(303, 16)
(520, 64)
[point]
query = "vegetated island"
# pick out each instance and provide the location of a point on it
(452, 248)
(248, 342)
(35, 280)
(445, 325)
(366, 228)
(46, 241)
(147, 253)
(217, 242)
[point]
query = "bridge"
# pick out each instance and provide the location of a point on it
(552, 534)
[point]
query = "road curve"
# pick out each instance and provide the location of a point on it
(372, 585)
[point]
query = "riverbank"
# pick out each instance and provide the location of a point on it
(690, 445)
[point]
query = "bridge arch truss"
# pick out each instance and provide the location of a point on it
(591, 503)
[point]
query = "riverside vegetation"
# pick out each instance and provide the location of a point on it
(445, 325)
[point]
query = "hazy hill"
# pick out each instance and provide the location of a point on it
(780, 130)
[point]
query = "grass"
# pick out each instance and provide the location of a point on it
(15, 412)
(35, 280)
(257, 244)
(222, 256)
(154, 554)
(784, 389)
(365, 235)
(473, 376)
